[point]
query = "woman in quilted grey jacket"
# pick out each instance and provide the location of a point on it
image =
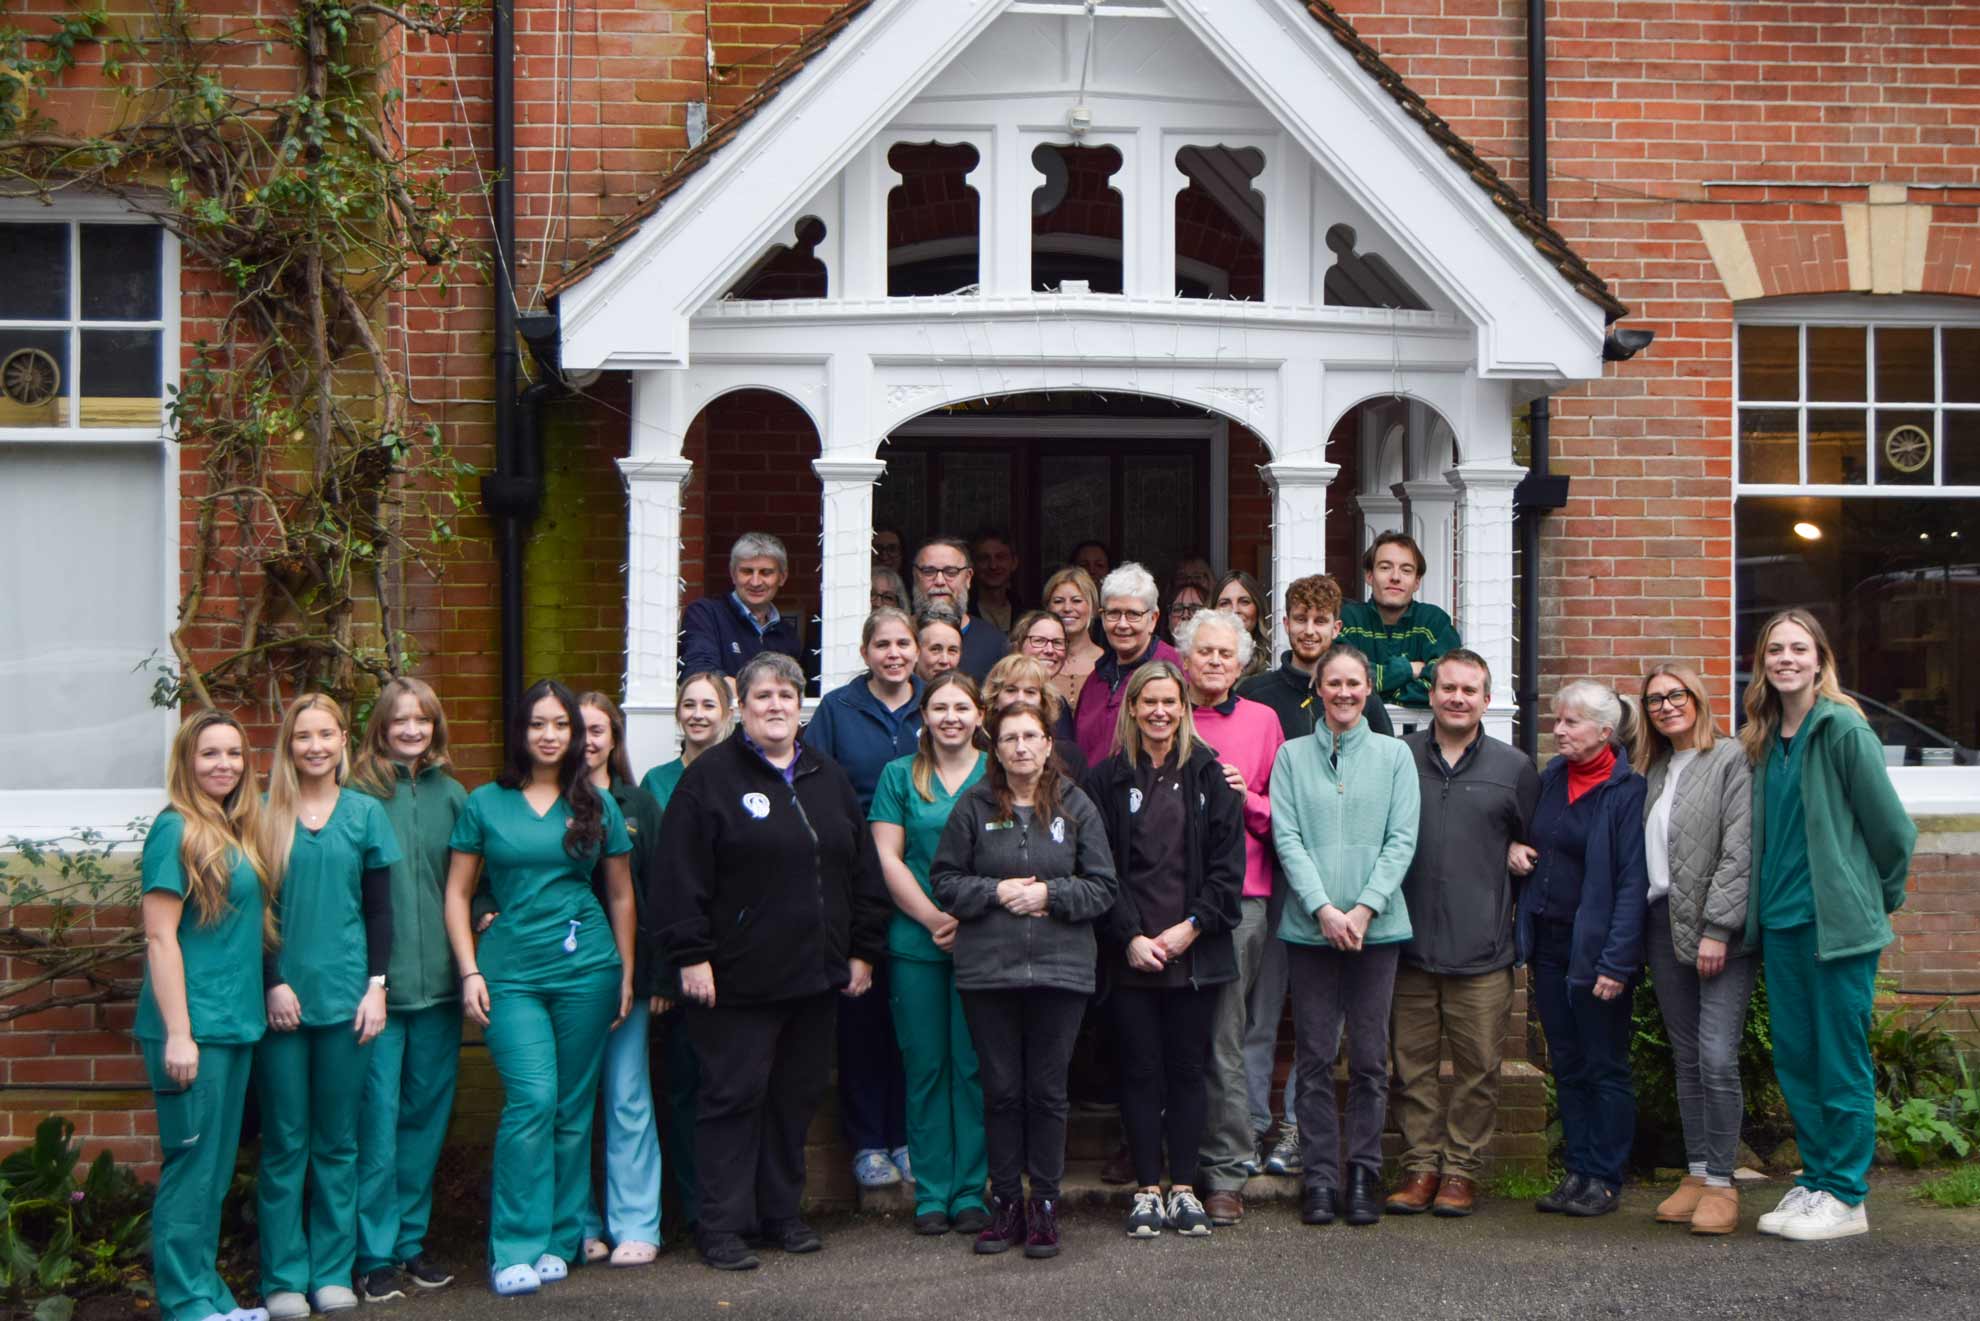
(1696, 841)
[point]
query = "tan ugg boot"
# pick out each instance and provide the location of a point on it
(1717, 1212)
(1677, 1208)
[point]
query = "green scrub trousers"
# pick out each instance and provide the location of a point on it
(548, 1044)
(944, 1091)
(1821, 1028)
(408, 1099)
(199, 1134)
(309, 1083)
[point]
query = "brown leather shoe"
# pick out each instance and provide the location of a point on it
(1678, 1207)
(1118, 1168)
(1717, 1213)
(1458, 1196)
(1419, 1187)
(1224, 1207)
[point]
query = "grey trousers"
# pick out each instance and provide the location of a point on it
(1227, 1126)
(1703, 1017)
(1265, 1008)
(1332, 991)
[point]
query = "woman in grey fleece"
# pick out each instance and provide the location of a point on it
(1697, 814)
(1025, 869)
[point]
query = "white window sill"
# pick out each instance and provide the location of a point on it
(1938, 790)
(57, 814)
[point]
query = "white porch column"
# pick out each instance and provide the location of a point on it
(1299, 527)
(1379, 513)
(653, 604)
(847, 558)
(1429, 510)
(1484, 613)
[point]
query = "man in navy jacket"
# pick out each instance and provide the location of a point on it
(722, 633)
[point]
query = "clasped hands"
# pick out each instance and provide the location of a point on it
(1344, 931)
(1023, 896)
(1152, 953)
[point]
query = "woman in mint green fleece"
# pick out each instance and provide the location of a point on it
(1344, 818)
(1831, 850)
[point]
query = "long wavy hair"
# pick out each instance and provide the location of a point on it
(1651, 746)
(1127, 734)
(1017, 670)
(585, 834)
(1051, 783)
(372, 767)
(1763, 704)
(1261, 632)
(217, 829)
(278, 821)
(922, 771)
(617, 762)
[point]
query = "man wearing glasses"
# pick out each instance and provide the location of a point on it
(942, 575)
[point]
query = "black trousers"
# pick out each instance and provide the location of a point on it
(763, 1070)
(1164, 1034)
(1332, 991)
(1024, 1043)
(872, 1088)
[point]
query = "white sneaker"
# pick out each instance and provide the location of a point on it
(1825, 1216)
(1146, 1219)
(334, 1298)
(1790, 1207)
(286, 1305)
(551, 1268)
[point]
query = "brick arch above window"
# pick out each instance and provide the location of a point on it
(1884, 246)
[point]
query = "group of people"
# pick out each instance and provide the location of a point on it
(947, 878)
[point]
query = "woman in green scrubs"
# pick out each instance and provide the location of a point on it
(944, 1093)
(409, 1088)
(329, 857)
(1831, 853)
(703, 713)
(206, 922)
(550, 979)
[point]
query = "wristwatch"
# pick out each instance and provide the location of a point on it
(378, 982)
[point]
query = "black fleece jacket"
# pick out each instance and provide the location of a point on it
(777, 885)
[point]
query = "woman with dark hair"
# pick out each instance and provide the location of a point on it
(209, 921)
(402, 761)
(1831, 850)
(1239, 594)
(632, 1141)
(551, 977)
(944, 1092)
(1696, 840)
(1092, 558)
(1579, 924)
(1176, 829)
(1024, 868)
(770, 904)
(864, 725)
(1041, 636)
(938, 637)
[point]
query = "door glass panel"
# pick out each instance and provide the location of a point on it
(900, 500)
(1075, 504)
(975, 492)
(1158, 508)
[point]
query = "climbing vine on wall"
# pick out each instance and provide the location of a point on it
(271, 148)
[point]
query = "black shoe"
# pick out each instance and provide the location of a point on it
(727, 1252)
(1569, 1188)
(379, 1286)
(1004, 1228)
(1319, 1206)
(971, 1220)
(425, 1273)
(1595, 1199)
(1364, 1197)
(931, 1223)
(793, 1235)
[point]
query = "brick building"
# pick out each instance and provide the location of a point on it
(1281, 287)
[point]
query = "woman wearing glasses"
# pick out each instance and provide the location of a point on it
(1696, 841)
(1041, 636)
(1130, 609)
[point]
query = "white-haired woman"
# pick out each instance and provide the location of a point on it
(1130, 610)
(1580, 927)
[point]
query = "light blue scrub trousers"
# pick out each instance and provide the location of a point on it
(632, 1140)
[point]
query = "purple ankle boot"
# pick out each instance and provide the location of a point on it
(1042, 1228)
(1005, 1228)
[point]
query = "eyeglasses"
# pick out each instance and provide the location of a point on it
(1677, 698)
(1125, 616)
(1039, 642)
(878, 599)
(1018, 737)
(949, 572)
(1182, 614)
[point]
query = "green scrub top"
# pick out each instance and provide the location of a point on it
(222, 960)
(422, 811)
(323, 957)
(896, 803)
(1787, 889)
(662, 780)
(552, 928)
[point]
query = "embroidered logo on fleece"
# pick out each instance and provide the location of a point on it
(756, 805)
(1058, 830)
(1134, 801)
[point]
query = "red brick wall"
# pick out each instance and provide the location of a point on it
(754, 474)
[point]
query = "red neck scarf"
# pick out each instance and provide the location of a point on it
(1585, 775)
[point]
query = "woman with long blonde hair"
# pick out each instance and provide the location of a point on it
(330, 857)
(208, 919)
(402, 762)
(1831, 852)
(1072, 595)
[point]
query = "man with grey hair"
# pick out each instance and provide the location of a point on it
(943, 575)
(723, 633)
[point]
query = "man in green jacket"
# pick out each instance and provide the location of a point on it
(1402, 636)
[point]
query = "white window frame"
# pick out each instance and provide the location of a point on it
(1926, 790)
(47, 813)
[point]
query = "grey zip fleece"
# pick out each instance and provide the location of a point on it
(995, 950)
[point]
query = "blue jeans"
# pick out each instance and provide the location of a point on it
(632, 1141)
(1588, 1046)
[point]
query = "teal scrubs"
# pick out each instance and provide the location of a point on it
(1784, 887)
(409, 1087)
(682, 1068)
(553, 974)
(310, 1082)
(944, 1091)
(199, 1127)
